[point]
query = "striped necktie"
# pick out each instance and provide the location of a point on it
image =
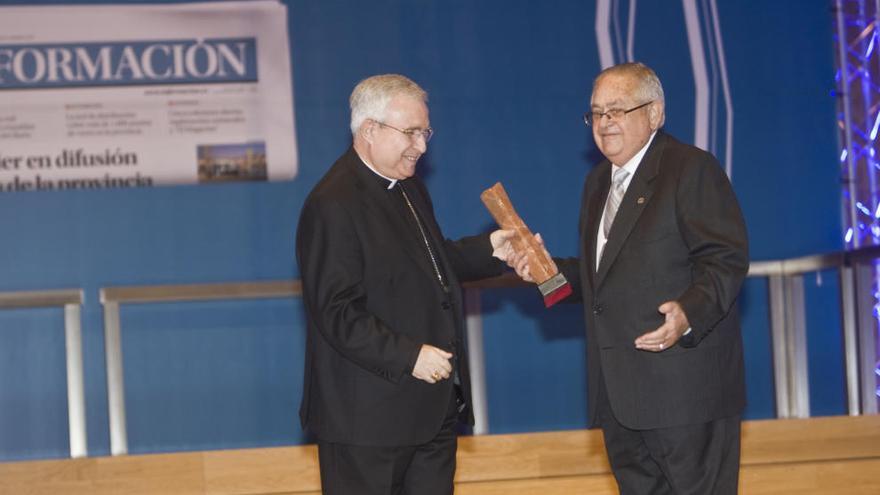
(615, 196)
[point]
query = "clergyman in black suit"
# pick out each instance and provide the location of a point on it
(663, 253)
(386, 375)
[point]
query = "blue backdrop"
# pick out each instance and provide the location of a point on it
(508, 82)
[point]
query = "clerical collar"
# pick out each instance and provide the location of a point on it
(393, 182)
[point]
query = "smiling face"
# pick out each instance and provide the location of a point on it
(619, 140)
(393, 153)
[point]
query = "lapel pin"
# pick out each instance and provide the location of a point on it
(641, 200)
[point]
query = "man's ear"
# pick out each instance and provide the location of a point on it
(367, 130)
(655, 115)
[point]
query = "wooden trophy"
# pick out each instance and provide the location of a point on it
(553, 285)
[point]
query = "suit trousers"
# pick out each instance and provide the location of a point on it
(426, 469)
(697, 459)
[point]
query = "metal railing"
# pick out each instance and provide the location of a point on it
(112, 297)
(788, 327)
(787, 324)
(71, 300)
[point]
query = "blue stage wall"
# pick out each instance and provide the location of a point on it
(508, 81)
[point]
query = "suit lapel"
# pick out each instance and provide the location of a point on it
(590, 227)
(637, 197)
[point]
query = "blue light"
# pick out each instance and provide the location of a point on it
(874, 129)
(860, 130)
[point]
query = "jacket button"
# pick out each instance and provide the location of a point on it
(445, 305)
(597, 309)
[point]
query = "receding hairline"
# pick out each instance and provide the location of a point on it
(645, 80)
(372, 95)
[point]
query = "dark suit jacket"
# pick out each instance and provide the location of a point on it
(372, 299)
(678, 235)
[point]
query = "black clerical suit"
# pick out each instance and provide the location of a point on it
(372, 298)
(678, 235)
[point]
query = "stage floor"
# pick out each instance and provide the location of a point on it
(831, 455)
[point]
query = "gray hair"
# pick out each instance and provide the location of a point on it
(649, 87)
(370, 97)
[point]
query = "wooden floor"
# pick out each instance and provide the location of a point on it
(836, 455)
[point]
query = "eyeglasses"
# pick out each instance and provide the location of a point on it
(615, 114)
(412, 134)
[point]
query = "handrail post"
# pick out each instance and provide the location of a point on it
(76, 402)
(476, 360)
(849, 318)
(115, 382)
(788, 328)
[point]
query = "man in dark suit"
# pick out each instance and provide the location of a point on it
(386, 376)
(663, 253)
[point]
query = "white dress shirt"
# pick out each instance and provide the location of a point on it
(631, 166)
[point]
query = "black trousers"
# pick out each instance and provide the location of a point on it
(426, 469)
(699, 459)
